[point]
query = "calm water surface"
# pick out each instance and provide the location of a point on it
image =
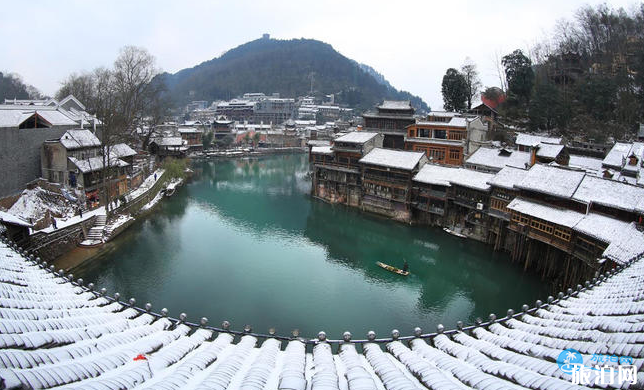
(246, 243)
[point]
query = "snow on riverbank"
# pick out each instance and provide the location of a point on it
(64, 222)
(146, 185)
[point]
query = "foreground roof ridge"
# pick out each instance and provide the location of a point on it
(55, 331)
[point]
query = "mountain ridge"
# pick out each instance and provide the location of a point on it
(286, 67)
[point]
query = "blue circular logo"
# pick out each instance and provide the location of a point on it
(570, 360)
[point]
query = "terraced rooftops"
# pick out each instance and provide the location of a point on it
(56, 333)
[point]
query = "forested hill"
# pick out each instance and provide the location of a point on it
(287, 67)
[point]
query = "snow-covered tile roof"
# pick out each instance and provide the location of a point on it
(434, 174)
(187, 130)
(393, 158)
(356, 137)
(396, 105)
(94, 164)
(552, 180)
(57, 334)
(322, 150)
(557, 215)
(318, 142)
(609, 193)
(443, 114)
(532, 140)
(447, 176)
(168, 141)
(616, 155)
(454, 122)
(508, 177)
(546, 150)
(12, 219)
(590, 164)
(122, 150)
(498, 158)
(76, 139)
(625, 240)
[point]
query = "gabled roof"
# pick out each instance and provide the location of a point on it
(547, 150)
(399, 159)
(534, 140)
(547, 212)
(609, 193)
(447, 176)
(76, 139)
(168, 141)
(322, 150)
(71, 98)
(94, 164)
(122, 150)
(356, 137)
(498, 158)
(552, 180)
(13, 220)
(589, 164)
(508, 177)
(396, 105)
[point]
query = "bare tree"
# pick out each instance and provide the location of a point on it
(500, 70)
(472, 80)
(118, 97)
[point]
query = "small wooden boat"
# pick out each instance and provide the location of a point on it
(393, 269)
(454, 233)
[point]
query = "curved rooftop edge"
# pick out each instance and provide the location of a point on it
(55, 332)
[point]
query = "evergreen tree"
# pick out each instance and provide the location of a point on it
(454, 89)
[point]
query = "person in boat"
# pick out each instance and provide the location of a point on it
(405, 266)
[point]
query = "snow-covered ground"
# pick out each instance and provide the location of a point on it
(146, 185)
(154, 201)
(61, 223)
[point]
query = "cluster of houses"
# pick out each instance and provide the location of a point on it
(546, 207)
(258, 108)
(59, 142)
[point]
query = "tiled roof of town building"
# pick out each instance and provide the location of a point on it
(553, 214)
(589, 164)
(396, 105)
(508, 177)
(617, 154)
(57, 333)
(534, 140)
(498, 158)
(76, 139)
(552, 180)
(393, 158)
(549, 150)
(609, 193)
(322, 150)
(356, 137)
(442, 175)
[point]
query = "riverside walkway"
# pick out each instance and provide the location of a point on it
(55, 332)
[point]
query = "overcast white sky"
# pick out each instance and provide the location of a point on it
(411, 43)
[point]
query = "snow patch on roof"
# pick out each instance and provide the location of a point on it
(549, 150)
(508, 177)
(532, 140)
(495, 158)
(393, 158)
(609, 193)
(556, 215)
(552, 181)
(322, 150)
(76, 139)
(356, 137)
(446, 176)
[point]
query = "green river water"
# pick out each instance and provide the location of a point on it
(245, 242)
